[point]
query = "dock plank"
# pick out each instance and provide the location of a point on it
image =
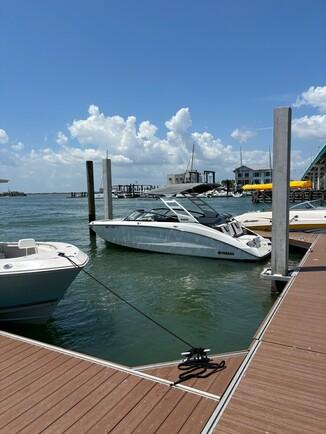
(15, 382)
(141, 410)
(123, 407)
(16, 405)
(160, 412)
(64, 399)
(111, 399)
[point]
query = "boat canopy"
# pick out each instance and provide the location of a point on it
(174, 189)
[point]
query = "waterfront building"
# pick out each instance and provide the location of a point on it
(191, 176)
(247, 175)
(316, 171)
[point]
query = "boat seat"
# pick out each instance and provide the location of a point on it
(26, 243)
(29, 244)
(228, 229)
(211, 219)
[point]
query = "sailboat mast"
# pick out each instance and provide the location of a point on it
(192, 158)
(270, 157)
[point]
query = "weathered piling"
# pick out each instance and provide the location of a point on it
(280, 205)
(107, 188)
(90, 194)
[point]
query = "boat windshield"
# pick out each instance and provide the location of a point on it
(205, 214)
(153, 215)
(312, 204)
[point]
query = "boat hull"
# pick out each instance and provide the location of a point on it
(304, 221)
(31, 297)
(175, 240)
(33, 279)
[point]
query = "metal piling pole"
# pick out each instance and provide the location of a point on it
(90, 194)
(280, 203)
(107, 189)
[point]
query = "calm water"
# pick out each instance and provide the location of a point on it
(212, 303)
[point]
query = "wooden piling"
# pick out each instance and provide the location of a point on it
(90, 194)
(107, 189)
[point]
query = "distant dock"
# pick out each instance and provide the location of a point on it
(122, 190)
(277, 385)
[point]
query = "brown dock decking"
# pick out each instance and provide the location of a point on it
(296, 239)
(47, 389)
(282, 385)
(278, 385)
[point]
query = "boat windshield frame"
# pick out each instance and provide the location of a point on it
(207, 217)
(309, 205)
(155, 214)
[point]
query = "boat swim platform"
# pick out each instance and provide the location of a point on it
(278, 385)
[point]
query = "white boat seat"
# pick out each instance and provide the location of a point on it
(26, 243)
(228, 229)
(29, 244)
(237, 228)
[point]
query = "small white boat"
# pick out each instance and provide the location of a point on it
(34, 277)
(237, 194)
(307, 216)
(177, 230)
(101, 196)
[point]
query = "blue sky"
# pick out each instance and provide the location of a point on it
(147, 79)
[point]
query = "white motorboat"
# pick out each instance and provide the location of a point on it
(34, 277)
(307, 216)
(101, 196)
(177, 230)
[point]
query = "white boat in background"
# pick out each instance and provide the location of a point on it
(177, 230)
(34, 277)
(237, 194)
(101, 196)
(307, 216)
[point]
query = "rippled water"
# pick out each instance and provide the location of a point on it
(216, 304)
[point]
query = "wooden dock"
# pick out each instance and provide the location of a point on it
(281, 385)
(48, 389)
(278, 385)
(302, 240)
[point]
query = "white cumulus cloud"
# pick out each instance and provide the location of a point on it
(136, 149)
(315, 97)
(180, 122)
(3, 137)
(18, 146)
(242, 136)
(62, 139)
(310, 127)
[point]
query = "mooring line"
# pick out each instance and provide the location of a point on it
(127, 302)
